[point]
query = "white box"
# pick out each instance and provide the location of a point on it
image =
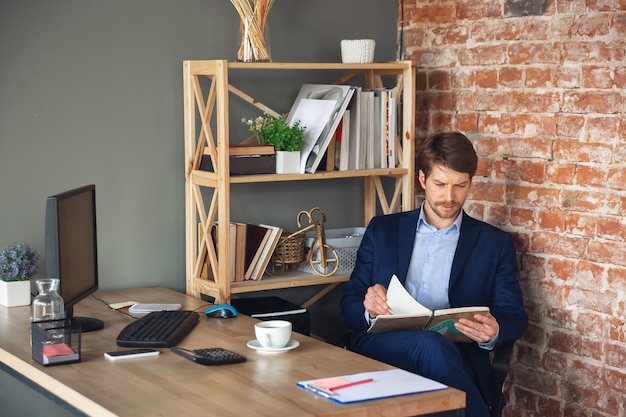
(346, 243)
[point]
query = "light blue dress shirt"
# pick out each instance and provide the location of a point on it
(431, 262)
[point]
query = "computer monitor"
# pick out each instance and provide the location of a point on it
(71, 249)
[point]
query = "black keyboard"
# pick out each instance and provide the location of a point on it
(158, 329)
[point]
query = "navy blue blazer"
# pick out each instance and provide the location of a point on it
(484, 272)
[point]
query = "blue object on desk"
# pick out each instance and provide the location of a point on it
(221, 311)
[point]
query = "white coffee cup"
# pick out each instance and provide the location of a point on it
(273, 334)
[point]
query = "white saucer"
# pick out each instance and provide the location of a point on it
(254, 344)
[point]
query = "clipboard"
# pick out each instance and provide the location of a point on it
(384, 384)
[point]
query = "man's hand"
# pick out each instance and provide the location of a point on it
(375, 301)
(482, 329)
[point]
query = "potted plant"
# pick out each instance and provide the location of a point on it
(18, 264)
(287, 139)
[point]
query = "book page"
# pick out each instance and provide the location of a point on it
(401, 302)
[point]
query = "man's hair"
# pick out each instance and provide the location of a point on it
(452, 150)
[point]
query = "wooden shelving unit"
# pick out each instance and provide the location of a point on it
(212, 103)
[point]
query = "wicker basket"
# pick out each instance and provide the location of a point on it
(290, 250)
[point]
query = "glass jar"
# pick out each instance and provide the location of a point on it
(48, 305)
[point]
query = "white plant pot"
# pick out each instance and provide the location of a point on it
(287, 162)
(14, 293)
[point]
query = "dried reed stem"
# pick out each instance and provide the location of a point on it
(253, 15)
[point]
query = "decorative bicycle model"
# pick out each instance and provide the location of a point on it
(289, 253)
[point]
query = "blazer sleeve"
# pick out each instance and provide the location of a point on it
(384, 251)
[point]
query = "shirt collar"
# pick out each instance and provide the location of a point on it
(424, 226)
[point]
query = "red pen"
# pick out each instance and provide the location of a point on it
(350, 384)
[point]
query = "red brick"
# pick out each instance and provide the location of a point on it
(532, 101)
(615, 380)
(494, 124)
(590, 176)
(500, 30)
(530, 147)
(439, 80)
(557, 244)
(603, 129)
(567, 77)
(612, 228)
(581, 152)
(483, 100)
(587, 52)
(483, 55)
(533, 53)
(476, 9)
(522, 217)
(593, 25)
(487, 78)
(596, 76)
(487, 191)
(530, 125)
(569, 125)
(580, 224)
(617, 330)
(607, 252)
(590, 299)
(617, 178)
(538, 77)
(565, 342)
(591, 102)
(615, 355)
(523, 196)
(441, 121)
(551, 220)
(620, 77)
(512, 77)
(584, 394)
(561, 269)
(467, 122)
(561, 173)
(571, 6)
(616, 278)
(497, 215)
(590, 201)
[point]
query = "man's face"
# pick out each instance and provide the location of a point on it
(446, 191)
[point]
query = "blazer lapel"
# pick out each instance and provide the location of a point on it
(467, 238)
(406, 238)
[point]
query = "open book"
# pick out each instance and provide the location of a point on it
(408, 313)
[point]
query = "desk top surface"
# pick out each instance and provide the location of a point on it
(170, 385)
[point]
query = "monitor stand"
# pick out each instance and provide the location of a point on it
(87, 324)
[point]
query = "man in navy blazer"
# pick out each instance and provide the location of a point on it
(444, 258)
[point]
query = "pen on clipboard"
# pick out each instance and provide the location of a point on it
(329, 391)
(350, 384)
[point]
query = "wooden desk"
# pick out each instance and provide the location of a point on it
(169, 385)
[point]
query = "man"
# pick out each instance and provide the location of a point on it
(444, 258)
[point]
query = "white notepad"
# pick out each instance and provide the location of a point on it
(389, 383)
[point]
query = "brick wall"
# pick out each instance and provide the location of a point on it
(541, 89)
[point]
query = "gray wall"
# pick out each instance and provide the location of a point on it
(91, 92)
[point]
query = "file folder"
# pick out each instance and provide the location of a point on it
(384, 384)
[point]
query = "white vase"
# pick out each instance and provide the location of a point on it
(14, 293)
(287, 162)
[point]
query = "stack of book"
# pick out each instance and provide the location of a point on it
(353, 128)
(251, 249)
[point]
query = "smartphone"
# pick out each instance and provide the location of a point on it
(131, 353)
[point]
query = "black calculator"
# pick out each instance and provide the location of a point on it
(210, 356)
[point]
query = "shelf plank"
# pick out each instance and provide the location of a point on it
(209, 179)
